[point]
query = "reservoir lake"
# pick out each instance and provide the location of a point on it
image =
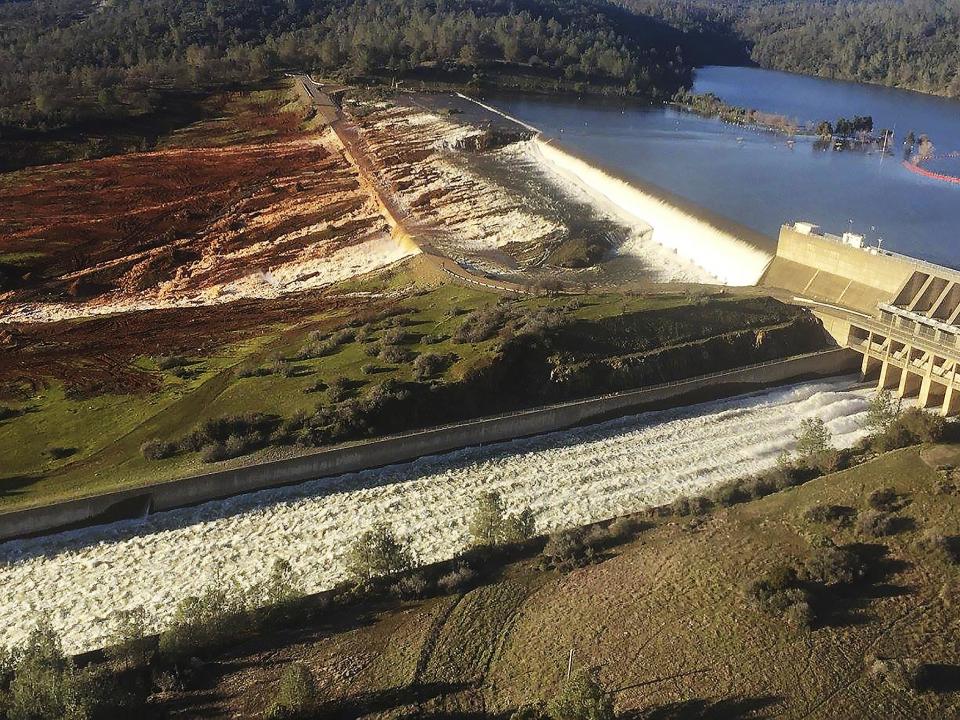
(758, 178)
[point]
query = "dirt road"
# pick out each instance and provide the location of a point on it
(406, 227)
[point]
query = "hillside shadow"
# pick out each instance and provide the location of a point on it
(940, 678)
(394, 698)
(848, 605)
(754, 708)
(17, 484)
(951, 544)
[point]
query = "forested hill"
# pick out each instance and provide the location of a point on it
(903, 43)
(64, 61)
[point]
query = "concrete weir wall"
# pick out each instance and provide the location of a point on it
(823, 268)
(401, 448)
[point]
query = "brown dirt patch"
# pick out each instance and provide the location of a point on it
(94, 356)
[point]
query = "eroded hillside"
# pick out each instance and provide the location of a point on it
(216, 221)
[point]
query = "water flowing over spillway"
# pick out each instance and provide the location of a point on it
(725, 257)
(80, 578)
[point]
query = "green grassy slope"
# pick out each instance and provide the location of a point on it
(63, 444)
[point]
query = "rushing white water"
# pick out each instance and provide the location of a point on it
(567, 478)
(727, 258)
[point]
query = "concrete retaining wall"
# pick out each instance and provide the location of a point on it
(401, 448)
(821, 268)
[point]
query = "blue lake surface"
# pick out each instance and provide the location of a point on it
(759, 179)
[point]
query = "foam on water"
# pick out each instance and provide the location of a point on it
(567, 478)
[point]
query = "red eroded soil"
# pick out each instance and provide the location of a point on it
(132, 222)
(94, 356)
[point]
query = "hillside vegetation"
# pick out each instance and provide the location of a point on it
(77, 61)
(173, 393)
(909, 44)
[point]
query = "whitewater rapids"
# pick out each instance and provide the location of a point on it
(80, 578)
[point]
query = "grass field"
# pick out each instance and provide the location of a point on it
(667, 623)
(59, 444)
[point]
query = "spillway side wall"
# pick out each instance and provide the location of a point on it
(377, 453)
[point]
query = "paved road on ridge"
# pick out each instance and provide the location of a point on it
(423, 235)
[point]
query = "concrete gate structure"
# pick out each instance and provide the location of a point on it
(901, 314)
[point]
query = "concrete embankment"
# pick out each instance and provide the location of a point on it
(401, 448)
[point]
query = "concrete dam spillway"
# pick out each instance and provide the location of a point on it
(725, 251)
(568, 478)
(722, 252)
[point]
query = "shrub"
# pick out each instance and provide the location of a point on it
(582, 697)
(730, 494)
(833, 565)
(492, 525)
(170, 362)
(410, 587)
(43, 678)
(885, 499)
(759, 486)
(777, 591)
(833, 514)
(485, 526)
(368, 368)
(204, 623)
(157, 449)
(385, 392)
(8, 412)
(130, 646)
(296, 694)
(529, 711)
(903, 674)
(45, 685)
(218, 430)
(378, 553)
(923, 426)
(318, 386)
(878, 524)
(395, 354)
(481, 325)
(934, 541)
(568, 549)
(182, 373)
(813, 442)
(944, 484)
(623, 529)
(909, 428)
(459, 578)
(430, 364)
(882, 413)
(340, 389)
(342, 337)
(397, 336)
(799, 615)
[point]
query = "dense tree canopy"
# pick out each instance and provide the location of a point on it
(904, 43)
(67, 60)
